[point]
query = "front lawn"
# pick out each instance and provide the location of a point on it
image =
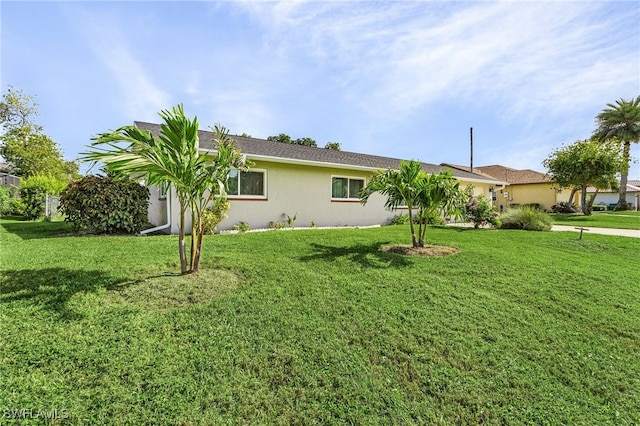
(320, 327)
(620, 220)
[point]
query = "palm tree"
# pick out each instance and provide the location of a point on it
(621, 122)
(173, 159)
(400, 187)
(438, 193)
(413, 188)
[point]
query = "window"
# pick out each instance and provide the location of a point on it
(349, 188)
(246, 184)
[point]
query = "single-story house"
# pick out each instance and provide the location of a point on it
(318, 185)
(610, 197)
(523, 187)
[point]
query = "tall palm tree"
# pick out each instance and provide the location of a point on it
(173, 159)
(413, 188)
(621, 122)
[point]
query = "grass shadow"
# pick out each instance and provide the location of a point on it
(366, 255)
(31, 230)
(52, 288)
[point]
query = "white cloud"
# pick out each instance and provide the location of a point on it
(526, 59)
(139, 96)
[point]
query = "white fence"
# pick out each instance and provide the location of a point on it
(52, 202)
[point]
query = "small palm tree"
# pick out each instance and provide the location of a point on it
(173, 159)
(438, 193)
(413, 188)
(621, 122)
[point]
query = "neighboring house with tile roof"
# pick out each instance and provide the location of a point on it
(318, 185)
(610, 198)
(523, 187)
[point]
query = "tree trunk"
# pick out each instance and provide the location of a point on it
(592, 199)
(181, 244)
(583, 202)
(196, 263)
(573, 193)
(192, 253)
(420, 216)
(624, 175)
(414, 241)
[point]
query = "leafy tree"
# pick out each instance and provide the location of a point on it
(583, 164)
(415, 189)
(31, 153)
(17, 111)
(621, 123)
(305, 142)
(283, 138)
(173, 159)
(336, 146)
(23, 145)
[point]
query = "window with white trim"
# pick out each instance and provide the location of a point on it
(247, 184)
(346, 187)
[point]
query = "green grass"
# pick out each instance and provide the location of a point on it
(320, 327)
(620, 220)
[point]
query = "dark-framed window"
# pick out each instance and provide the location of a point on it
(346, 187)
(252, 183)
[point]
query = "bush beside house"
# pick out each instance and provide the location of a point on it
(105, 205)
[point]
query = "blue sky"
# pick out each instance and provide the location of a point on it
(402, 79)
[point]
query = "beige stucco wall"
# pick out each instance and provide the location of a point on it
(541, 193)
(305, 191)
(297, 189)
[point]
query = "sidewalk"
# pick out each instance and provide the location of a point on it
(634, 233)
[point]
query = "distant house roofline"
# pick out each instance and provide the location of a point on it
(632, 186)
(510, 175)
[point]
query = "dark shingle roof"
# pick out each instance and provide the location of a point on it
(275, 151)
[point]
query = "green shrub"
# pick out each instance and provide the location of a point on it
(241, 226)
(15, 207)
(5, 200)
(480, 212)
(399, 219)
(563, 207)
(105, 205)
(33, 192)
(429, 218)
(275, 225)
(527, 218)
(291, 220)
(212, 216)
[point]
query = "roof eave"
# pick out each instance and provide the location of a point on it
(294, 161)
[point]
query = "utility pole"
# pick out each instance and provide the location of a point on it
(471, 140)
